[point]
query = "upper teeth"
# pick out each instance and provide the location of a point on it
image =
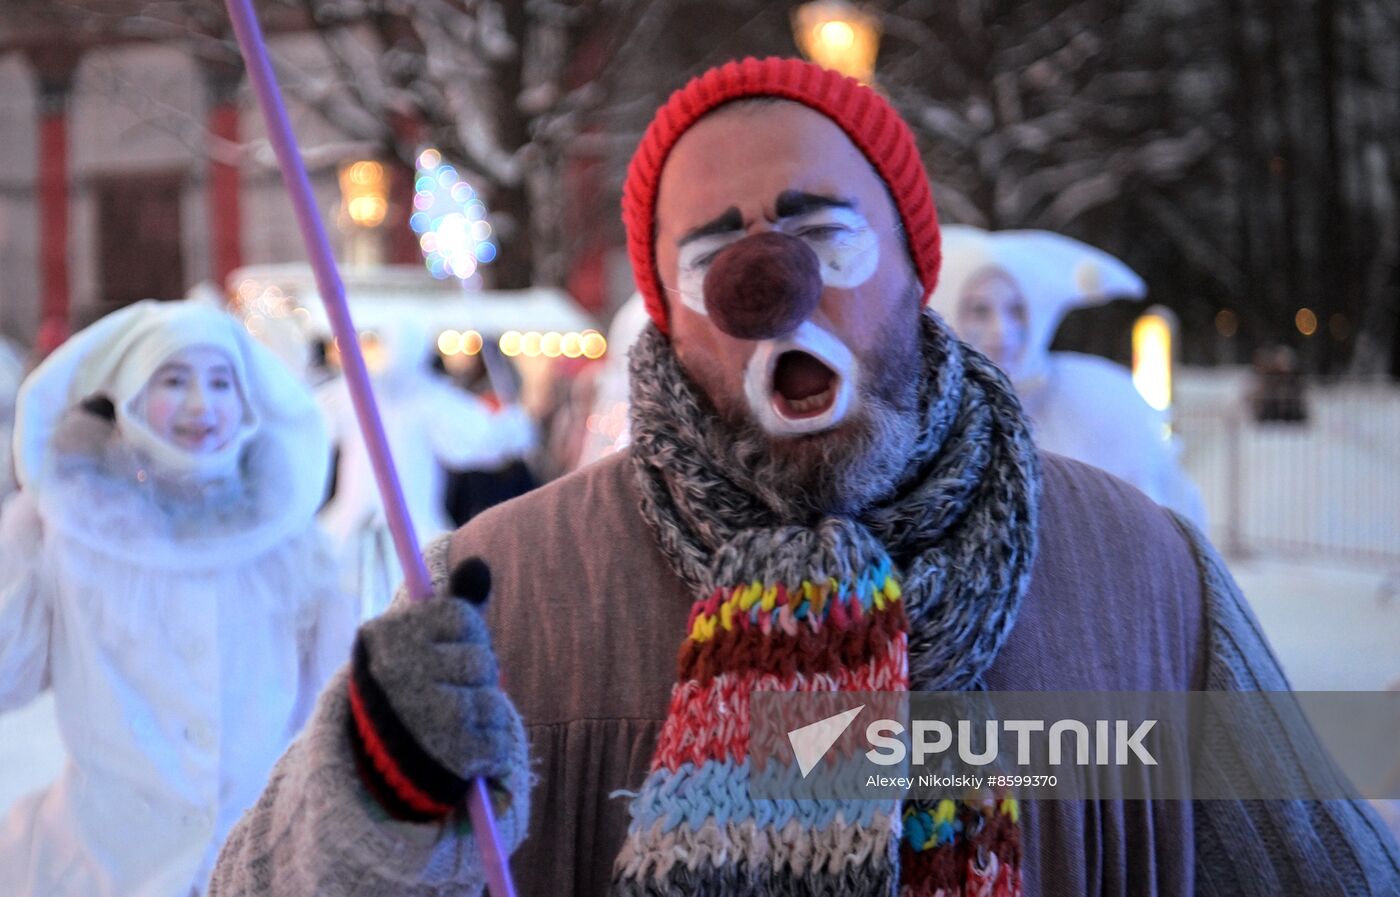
(811, 403)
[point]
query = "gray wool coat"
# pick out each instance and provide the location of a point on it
(587, 618)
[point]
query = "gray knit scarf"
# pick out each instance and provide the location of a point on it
(920, 590)
(960, 527)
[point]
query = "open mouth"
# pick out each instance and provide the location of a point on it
(193, 435)
(803, 386)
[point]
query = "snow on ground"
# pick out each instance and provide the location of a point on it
(1334, 627)
(31, 754)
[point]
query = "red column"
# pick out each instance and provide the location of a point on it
(54, 67)
(584, 179)
(223, 187)
(402, 246)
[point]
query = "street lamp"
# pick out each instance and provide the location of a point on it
(365, 192)
(838, 35)
(364, 197)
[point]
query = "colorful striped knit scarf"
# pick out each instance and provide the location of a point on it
(920, 590)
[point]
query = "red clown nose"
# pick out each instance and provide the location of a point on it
(763, 287)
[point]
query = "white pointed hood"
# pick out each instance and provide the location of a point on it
(1053, 273)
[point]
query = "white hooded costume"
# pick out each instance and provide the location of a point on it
(431, 425)
(11, 373)
(1081, 406)
(183, 610)
(608, 427)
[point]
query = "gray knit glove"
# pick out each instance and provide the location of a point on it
(427, 711)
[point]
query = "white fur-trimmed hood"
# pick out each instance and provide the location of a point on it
(101, 493)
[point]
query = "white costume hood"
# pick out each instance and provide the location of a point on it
(1053, 273)
(88, 476)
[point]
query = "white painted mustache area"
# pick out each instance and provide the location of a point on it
(772, 412)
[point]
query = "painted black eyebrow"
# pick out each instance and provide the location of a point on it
(791, 203)
(729, 220)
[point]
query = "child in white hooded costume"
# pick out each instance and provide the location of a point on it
(1005, 293)
(160, 570)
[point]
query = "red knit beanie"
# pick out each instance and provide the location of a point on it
(868, 120)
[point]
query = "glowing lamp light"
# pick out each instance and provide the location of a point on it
(364, 190)
(510, 343)
(1153, 336)
(449, 342)
(1306, 321)
(838, 35)
(452, 343)
(594, 344)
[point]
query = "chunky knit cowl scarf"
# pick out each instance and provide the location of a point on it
(920, 590)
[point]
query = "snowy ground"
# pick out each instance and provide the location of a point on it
(1315, 513)
(1334, 624)
(1334, 628)
(31, 754)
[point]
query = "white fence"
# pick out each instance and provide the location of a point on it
(1327, 485)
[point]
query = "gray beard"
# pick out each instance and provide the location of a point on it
(840, 471)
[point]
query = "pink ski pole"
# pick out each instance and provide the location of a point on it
(313, 233)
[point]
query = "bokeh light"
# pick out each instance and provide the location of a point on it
(450, 219)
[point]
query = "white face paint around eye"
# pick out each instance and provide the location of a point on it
(846, 246)
(844, 242)
(694, 262)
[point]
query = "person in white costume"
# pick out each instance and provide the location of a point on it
(161, 572)
(11, 373)
(431, 425)
(608, 430)
(1006, 292)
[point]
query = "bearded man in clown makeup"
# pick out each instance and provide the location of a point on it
(825, 491)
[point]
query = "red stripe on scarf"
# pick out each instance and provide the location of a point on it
(710, 720)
